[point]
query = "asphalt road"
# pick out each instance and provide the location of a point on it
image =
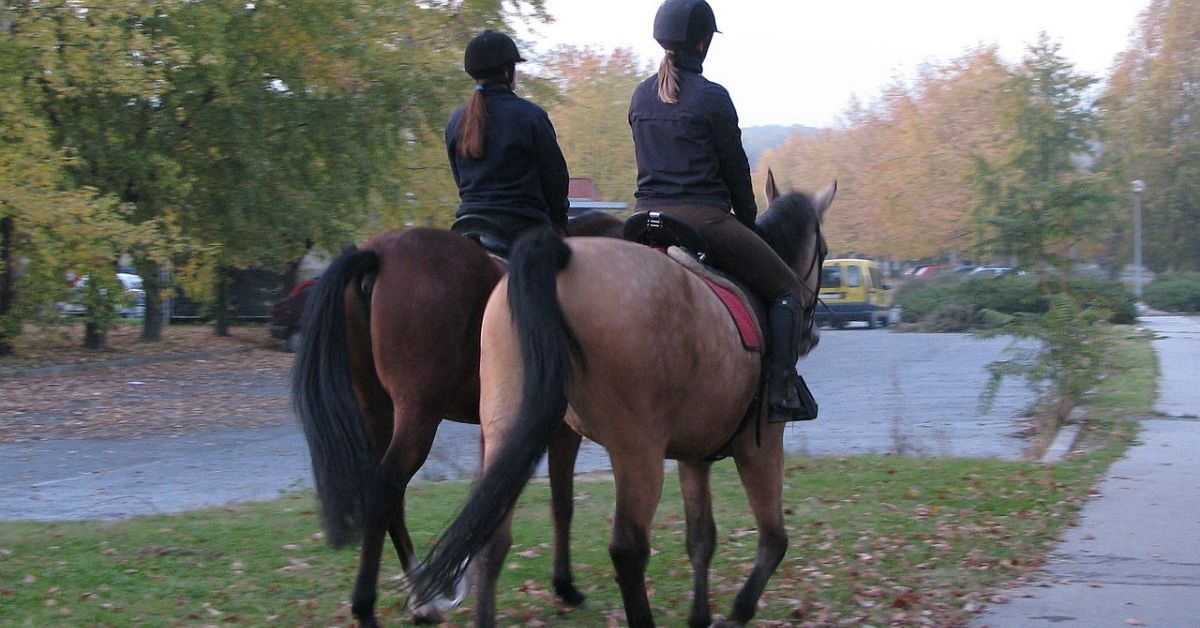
(880, 392)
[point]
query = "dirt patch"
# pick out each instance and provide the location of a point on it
(40, 347)
(190, 380)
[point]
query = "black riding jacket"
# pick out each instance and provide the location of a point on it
(690, 152)
(522, 173)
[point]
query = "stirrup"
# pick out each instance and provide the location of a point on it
(807, 410)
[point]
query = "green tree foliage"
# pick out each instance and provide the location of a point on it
(1064, 360)
(51, 230)
(1152, 119)
(100, 70)
(245, 132)
(1036, 202)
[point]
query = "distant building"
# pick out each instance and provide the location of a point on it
(583, 196)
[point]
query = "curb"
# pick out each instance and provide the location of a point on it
(1067, 434)
(60, 369)
(1064, 441)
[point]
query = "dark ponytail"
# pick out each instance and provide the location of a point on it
(474, 120)
(470, 129)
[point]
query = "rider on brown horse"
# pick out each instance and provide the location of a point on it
(691, 164)
(502, 148)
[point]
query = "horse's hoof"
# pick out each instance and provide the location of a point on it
(369, 622)
(427, 614)
(728, 623)
(570, 596)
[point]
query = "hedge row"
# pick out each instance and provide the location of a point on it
(949, 303)
(1175, 292)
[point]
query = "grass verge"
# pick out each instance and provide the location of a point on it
(874, 540)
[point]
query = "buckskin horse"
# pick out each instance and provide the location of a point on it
(653, 368)
(391, 348)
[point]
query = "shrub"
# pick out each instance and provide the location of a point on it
(1174, 292)
(918, 298)
(1015, 294)
(1108, 296)
(1010, 294)
(949, 317)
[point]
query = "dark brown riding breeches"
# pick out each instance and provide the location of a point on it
(739, 251)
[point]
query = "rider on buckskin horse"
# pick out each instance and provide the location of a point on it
(691, 164)
(503, 150)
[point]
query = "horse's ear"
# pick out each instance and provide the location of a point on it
(772, 191)
(822, 201)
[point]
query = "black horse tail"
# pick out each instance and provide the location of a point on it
(339, 443)
(547, 346)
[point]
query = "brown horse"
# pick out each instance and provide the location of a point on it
(391, 349)
(653, 368)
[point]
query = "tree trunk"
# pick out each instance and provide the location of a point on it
(6, 283)
(93, 338)
(152, 324)
(222, 327)
(291, 277)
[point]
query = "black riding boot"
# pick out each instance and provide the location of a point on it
(782, 397)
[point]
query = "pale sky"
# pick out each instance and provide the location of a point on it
(801, 61)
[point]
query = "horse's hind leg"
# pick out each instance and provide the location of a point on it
(639, 487)
(701, 534)
(377, 515)
(487, 566)
(411, 441)
(563, 451)
(761, 472)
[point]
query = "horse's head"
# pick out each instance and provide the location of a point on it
(792, 226)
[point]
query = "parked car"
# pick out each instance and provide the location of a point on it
(992, 270)
(928, 271)
(853, 290)
(133, 305)
(287, 316)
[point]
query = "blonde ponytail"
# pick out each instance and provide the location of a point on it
(668, 79)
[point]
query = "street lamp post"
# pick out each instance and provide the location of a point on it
(1139, 186)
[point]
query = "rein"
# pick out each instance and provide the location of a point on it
(810, 309)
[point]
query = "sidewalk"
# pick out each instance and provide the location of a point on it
(1134, 560)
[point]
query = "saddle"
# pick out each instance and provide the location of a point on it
(487, 232)
(688, 248)
(685, 245)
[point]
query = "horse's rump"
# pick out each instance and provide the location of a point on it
(644, 323)
(426, 310)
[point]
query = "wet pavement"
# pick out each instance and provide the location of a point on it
(880, 392)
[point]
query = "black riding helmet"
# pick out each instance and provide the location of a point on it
(489, 51)
(681, 24)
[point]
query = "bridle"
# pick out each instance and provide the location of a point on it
(810, 308)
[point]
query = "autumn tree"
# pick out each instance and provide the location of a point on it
(1152, 119)
(904, 162)
(592, 115)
